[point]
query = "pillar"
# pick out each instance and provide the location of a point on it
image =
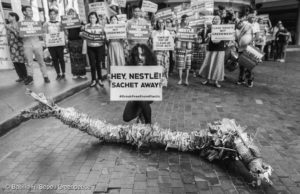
(298, 26)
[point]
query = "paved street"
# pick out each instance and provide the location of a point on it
(45, 151)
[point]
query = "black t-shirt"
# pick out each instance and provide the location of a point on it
(215, 46)
(281, 37)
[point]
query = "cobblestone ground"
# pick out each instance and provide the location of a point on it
(48, 152)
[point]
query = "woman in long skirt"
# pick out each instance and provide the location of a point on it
(116, 48)
(213, 65)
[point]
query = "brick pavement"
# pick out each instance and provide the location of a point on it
(48, 152)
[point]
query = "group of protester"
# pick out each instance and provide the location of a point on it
(202, 56)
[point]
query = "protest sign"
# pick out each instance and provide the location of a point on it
(30, 28)
(163, 43)
(115, 31)
(99, 37)
(139, 83)
(264, 17)
(197, 22)
(122, 18)
(186, 34)
(177, 8)
(98, 7)
(149, 6)
(164, 13)
(223, 32)
(122, 3)
(5, 60)
(138, 32)
(188, 12)
(208, 19)
(68, 21)
(55, 39)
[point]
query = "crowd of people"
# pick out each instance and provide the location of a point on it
(202, 57)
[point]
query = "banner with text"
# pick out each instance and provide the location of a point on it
(138, 32)
(186, 34)
(98, 7)
(122, 3)
(99, 37)
(164, 13)
(149, 6)
(223, 32)
(122, 18)
(163, 43)
(115, 31)
(30, 28)
(55, 39)
(68, 21)
(139, 83)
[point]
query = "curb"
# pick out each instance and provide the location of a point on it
(17, 119)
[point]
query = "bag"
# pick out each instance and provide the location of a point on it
(232, 63)
(250, 57)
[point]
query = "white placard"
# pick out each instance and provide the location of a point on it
(163, 43)
(98, 7)
(136, 83)
(115, 31)
(122, 18)
(122, 3)
(223, 32)
(55, 39)
(149, 6)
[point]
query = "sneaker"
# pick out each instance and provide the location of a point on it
(250, 85)
(282, 61)
(187, 83)
(75, 77)
(46, 79)
(58, 77)
(83, 77)
(63, 76)
(29, 81)
(93, 83)
(180, 82)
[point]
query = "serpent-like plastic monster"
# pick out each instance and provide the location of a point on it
(222, 139)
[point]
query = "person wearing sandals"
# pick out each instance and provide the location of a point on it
(213, 65)
(95, 49)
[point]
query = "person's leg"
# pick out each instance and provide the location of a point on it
(38, 52)
(60, 55)
(29, 57)
(54, 56)
(187, 77)
(131, 111)
(92, 56)
(250, 77)
(241, 75)
(171, 63)
(23, 70)
(18, 71)
(180, 76)
(284, 46)
(100, 60)
(146, 111)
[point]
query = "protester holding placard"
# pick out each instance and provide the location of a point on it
(162, 55)
(261, 41)
(16, 47)
(184, 49)
(116, 48)
(75, 45)
(33, 46)
(198, 54)
(213, 65)
(141, 55)
(172, 30)
(95, 48)
(54, 28)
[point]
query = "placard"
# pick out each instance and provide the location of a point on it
(139, 83)
(55, 39)
(122, 18)
(122, 3)
(115, 31)
(99, 37)
(197, 23)
(163, 43)
(68, 21)
(30, 28)
(149, 6)
(98, 7)
(223, 32)
(186, 34)
(164, 13)
(138, 32)
(188, 12)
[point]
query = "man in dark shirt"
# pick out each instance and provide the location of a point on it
(282, 37)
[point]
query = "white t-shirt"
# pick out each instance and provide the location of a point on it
(255, 27)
